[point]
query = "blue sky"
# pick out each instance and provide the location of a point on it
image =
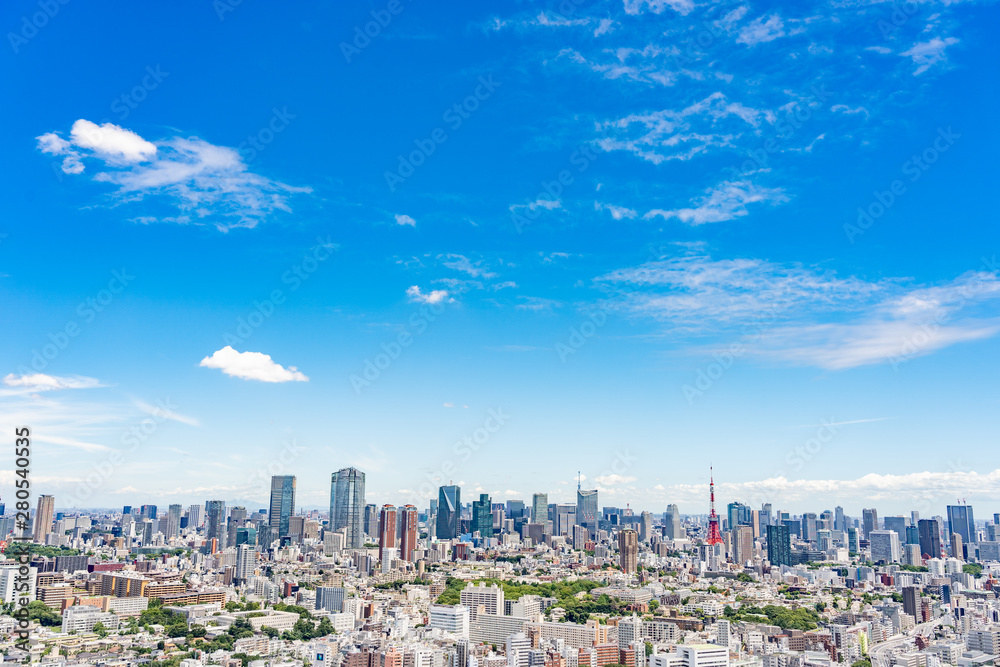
(631, 240)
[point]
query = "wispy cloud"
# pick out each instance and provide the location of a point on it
(927, 54)
(405, 220)
(38, 382)
(205, 183)
(723, 202)
(811, 317)
(762, 29)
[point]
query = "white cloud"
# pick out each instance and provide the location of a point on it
(37, 382)
(202, 181)
(537, 303)
(762, 29)
(725, 201)
(402, 219)
(617, 212)
(613, 479)
(111, 142)
(927, 54)
(251, 366)
(435, 296)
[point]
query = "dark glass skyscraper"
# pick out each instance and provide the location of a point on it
(482, 516)
(960, 521)
(449, 508)
(282, 503)
(586, 509)
(929, 531)
(347, 505)
(779, 545)
(215, 522)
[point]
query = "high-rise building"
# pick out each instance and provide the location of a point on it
(912, 535)
(246, 561)
(586, 509)
(449, 509)
(628, 550)
(174, 520)
(409, 531)
(237, 520)
(809, 527)
(960, 521)
(885, 546)
(215, 523)
(896, 523)
(540, 508)
(839, 519)
(371, 519)
(196, 516)
(930, 537)
(779, 545)
(957, 550)
(282, 504)
(869, 522)
(911, 602)
(645, 526)
(387, 525)
(738, 514)
(127, 509)
(148, 512)
(672, 522)
(331, 598)
(853, 540)
(347, 505)
(743, 551)
(43, 518)
(482, 516)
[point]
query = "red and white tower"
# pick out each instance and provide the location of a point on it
(714, 534)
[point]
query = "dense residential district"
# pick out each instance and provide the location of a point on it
(486, 584)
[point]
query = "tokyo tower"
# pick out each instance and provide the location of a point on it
(714, 534)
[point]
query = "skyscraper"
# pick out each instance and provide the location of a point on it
(645, 526)
(409, 532)
(482, 516)
(869, 522)
(897, 524)
(215, 523)
(628, 550)
(43, 518)
(387, 524)
(779, 545)
(237, 520)
(960, 521)
(540, 508)
(885, 546)
(930, 537)
(586, 509)
(449, 509)
(246, 560)
(672, 521)
(347, 505)
(742, 544)
(839, 519)
(282, 504)
(371, 519)
(174, 520)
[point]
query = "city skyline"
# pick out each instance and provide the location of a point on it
(498, 245)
